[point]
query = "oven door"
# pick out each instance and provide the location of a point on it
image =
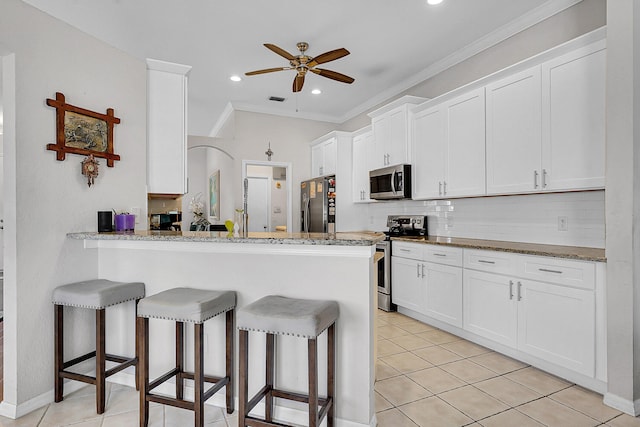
(384, 276)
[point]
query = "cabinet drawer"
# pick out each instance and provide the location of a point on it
(578, 274)
(443, 255)
(491, 261)
(407, 250)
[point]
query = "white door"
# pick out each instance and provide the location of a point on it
(407, 284)
(362, 150)
(397, 145)
(443, 296)
(258, 197)
(428, 134)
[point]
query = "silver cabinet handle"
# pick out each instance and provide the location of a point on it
(510, 289)
(535, 179)
(440, 188)
(546, 270)
(442, 255)
(544, 178)
(417, 270)
(486, 262)
(422, 270)
(404, 250)
(519, 291)
(445, 187)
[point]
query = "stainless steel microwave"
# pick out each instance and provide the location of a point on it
(392, 182)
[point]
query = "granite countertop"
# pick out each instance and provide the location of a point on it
(337, 239)
(570, 252)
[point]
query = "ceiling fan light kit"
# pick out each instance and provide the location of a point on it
(304, 63)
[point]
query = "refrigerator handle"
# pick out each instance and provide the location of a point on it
(307, 207)
(393, 182)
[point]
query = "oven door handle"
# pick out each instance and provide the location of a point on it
(393, 182)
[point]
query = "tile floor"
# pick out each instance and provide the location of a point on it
(426, 377)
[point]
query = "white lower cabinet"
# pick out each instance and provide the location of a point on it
(443, 298)
(407, 283)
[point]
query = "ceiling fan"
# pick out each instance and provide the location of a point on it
(303, 63)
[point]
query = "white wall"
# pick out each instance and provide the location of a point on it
(47, 198)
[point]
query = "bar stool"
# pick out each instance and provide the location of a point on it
(277, 315)
(95, 295)
(185, 305)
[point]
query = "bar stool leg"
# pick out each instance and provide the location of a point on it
(137, 352)
(269, 377)
(58, 351)
(142, 328)
(331, 368)
(244, 377)
(313, 382)
(198, 376)
(230, 323)
(179, 360)
(100, 360)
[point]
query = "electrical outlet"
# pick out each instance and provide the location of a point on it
(563, 223)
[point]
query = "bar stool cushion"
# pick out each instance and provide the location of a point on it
(275, 314)
(187, 304)
(97, 294)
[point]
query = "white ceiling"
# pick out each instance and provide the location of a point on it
(394, 45)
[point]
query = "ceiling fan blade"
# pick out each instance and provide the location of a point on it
(298, 82)
(333, 75)
(266, 70)
(329, 56)
(279, 51)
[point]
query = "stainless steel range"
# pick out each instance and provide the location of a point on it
(398, 225)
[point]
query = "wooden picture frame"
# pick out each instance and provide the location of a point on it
(81, 131)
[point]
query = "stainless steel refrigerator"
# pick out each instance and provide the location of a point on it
(318, 205)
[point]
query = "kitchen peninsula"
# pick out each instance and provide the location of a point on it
(300, 265)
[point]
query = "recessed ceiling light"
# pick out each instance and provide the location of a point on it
(235, 78)
(434, 2)
(316, 91)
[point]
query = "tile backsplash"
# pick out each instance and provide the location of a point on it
(532, 218)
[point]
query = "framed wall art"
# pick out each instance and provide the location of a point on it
(82, 131)
(214, 195)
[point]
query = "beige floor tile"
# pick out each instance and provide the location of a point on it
(507, 391)
(388, 347)
(553, 414)
(416, 327)
(585, 401)
(436, 380)
(394, 418)
(401, 390)
(465, 348)
(396, 318)
(537, 380)
(381, 403)
(381, 322)
(434, 412)
(438, 337)
(122, 400)
(70, 411)
(176, 417)
(624, 420)
(437, 355)
(473, 402)
(498, 363)
(468, 371)
(156, 418)
(384, 371)
(30, 420)
(406, 362)
(411, 342)
(391, 331)
(510, 418)
(96, 422)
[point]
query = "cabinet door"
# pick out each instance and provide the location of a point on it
(362, 149)
(465, 159)
(513, 133)
(557, 324)
(381, 135)
(406, 279)
(573, 119)
(490, 308)
(167, 132)
(330, 157)
(397, 149)
(317, 160)
(443, 293)
(428, 135)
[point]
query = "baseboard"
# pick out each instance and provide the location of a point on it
(627, 406)
(13, 412)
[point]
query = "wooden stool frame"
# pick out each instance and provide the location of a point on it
(198, 377)
(269, 391)
(99, 353)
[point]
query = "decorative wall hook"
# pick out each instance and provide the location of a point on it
(269, 153)
(90, 169)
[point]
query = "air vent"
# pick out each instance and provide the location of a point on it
(276, 98)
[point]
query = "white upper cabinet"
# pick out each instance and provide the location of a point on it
(166, 127)
(448, 145)
(390, 136)
(513, 133)
(324, 157)
(362, 154)
(573, 119)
